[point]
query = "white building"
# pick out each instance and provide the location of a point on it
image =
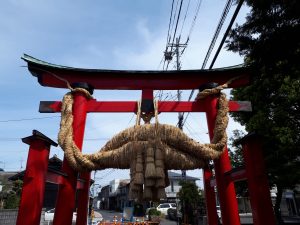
(174, 187)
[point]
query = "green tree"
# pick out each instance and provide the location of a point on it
(236, 158)
(190, 198)
(235, 150)
(269, 40)
(12, 197)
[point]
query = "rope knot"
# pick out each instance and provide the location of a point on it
(82, 90)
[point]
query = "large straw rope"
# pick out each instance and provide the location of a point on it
(175, 149)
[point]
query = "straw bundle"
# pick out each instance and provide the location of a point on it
(149, 150)
(147, 195)
(159, 163)
(139, 175)
(150, 171)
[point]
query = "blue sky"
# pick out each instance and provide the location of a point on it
(104, 34)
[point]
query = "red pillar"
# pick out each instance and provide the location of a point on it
(210, 197)
(65, 203)
(259, 190)
(226, 190)
(34, 179)
(83, 200)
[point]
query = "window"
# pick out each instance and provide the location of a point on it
(164, 206)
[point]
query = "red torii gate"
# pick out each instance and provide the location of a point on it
(56, 76)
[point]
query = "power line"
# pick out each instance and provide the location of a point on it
(236, 12)
(25, 119)
(174, 35)
(178, 16)
(220, 46)
(186, 12)
(106, 174)
(221, 22)
(170, 22)
(194, 19)
(217, 32)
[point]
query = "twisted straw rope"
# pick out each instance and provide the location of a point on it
(180, 151)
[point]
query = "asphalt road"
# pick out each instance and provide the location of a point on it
(111, 215)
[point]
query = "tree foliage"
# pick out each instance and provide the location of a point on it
(235, 150)
(10, 195)
(269, 40)
(236, 158)
(190, 198)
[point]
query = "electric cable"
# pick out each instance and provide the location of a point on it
(194, 20)
(236, 12)
(217, 32)
(26, 119)
(220, 46)
(186, 12)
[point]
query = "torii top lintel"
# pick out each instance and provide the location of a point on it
(52, 75)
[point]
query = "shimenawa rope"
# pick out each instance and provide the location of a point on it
(148, 150)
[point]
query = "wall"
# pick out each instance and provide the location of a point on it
(9, 217)
(176, 187)
(114, 184)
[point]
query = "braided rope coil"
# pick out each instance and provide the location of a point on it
(148, 150)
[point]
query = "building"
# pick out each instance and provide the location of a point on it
(174, 187)
(103, 198)
(115, 196)
(54, 164)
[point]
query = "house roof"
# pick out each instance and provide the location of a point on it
(4, 176)
(54, 163)
(178, 176)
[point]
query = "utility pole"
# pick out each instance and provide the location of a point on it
(94, 184)
(168, 57)
(21, 162)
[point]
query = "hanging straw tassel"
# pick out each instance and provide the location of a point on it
(150, 171)
(160, 183)
(160, 173)
(139, 176)
(147, 195)
(140, 194)
(161, 193)
(136, 193)
(132, 194)
(149, 182)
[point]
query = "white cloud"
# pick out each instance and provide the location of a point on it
(148, 56)
(144, 31)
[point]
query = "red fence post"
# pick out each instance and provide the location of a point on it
(65, 203)
(210, 197)
(32, 197)
(258, 185)
(226, 190)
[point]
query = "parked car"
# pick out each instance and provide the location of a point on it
(96, 222)
(49, 215)
(172, 214)
(163, 208)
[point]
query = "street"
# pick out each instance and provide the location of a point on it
(111, 215)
